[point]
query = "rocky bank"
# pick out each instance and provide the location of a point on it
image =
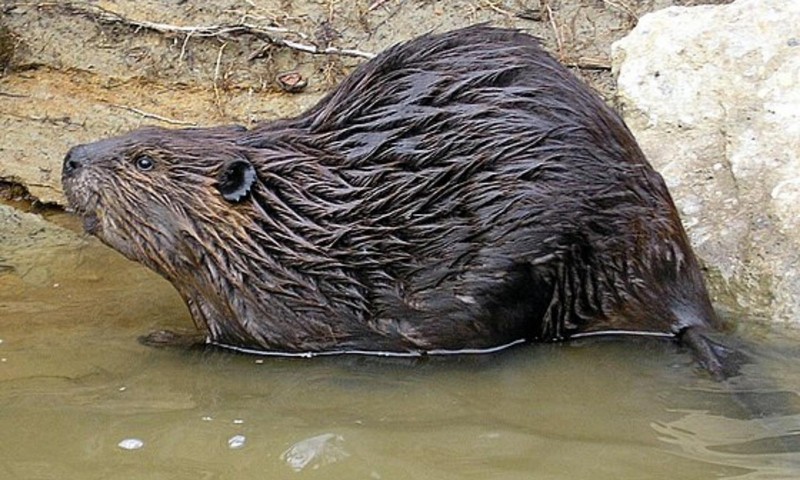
(712, 94)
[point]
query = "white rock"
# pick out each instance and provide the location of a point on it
(131, 444)
(236, 441)
(712, 93)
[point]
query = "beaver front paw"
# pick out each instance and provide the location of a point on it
(168, 338)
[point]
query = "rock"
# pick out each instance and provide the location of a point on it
(712, 93)
(131, 444)
(315, 452)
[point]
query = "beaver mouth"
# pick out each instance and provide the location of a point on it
(85, 208)
(91, 223)
(89, 218)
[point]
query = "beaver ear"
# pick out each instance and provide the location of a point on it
(235, 180)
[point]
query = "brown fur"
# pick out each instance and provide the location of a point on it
(459, 191)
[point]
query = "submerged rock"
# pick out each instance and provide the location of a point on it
(315, 452)
(712, 94)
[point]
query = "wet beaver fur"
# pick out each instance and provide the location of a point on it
(459, 191)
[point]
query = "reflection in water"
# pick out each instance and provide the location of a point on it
(752, 422)
(75, 386)
(768, 449)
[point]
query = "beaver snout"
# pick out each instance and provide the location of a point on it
(81, 156)
(76, 158)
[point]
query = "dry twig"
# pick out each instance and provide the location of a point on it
(589, 64)
(217, 98)
(267, 34)
(552, 19)
(623, 7)
(376, 5)
(493, 6)
(152, 115)
(392, 13)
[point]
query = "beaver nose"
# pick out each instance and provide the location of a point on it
(75, 159)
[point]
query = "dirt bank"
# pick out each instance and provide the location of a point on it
(76, 71)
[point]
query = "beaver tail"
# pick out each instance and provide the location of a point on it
(719, 359)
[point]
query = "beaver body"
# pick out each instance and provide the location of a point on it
(458, 191)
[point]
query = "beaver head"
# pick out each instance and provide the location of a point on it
(178, 202)
(167, 200)
(140, 193)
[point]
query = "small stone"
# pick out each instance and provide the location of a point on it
(291, 82)
(236, 441)
(131, 444)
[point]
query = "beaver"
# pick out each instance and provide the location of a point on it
(460, 191)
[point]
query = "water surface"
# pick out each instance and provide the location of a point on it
(80, 398)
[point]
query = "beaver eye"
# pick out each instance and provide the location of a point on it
(145, 163)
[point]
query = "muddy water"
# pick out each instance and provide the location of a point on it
(81, 399)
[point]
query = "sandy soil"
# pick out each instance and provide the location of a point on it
(76, 71)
